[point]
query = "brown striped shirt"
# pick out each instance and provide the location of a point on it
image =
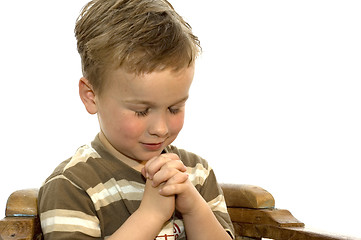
(90, 195)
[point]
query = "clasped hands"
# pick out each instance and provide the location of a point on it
(167, 187)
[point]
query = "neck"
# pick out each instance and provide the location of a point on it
(137, 165)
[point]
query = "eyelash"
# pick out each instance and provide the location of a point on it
(142, 113)
(145, 112)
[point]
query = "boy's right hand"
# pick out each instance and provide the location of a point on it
(159, 171)
(157, 207)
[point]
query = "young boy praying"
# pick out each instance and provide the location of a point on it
(138, 59)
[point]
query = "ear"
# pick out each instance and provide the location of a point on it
(87, 96)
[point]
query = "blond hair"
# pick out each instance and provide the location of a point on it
(140, 35)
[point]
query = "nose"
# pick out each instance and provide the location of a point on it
(158, 126)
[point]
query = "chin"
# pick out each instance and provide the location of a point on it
(150, 155)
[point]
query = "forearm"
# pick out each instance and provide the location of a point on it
(203, 224)
(148, 220)
(138, 226)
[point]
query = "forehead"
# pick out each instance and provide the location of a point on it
(155, 86)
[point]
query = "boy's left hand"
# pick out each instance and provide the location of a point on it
(164, 168)
(169, 171)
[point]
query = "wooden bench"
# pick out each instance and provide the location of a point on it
(252, 210)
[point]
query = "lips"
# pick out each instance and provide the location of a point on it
(153, 146)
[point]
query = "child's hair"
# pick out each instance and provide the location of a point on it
(139, 35)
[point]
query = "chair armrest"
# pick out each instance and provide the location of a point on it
(247, 196)
(22, 203)
(253, 214)
(21, 217)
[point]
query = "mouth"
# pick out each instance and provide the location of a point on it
(153, 146)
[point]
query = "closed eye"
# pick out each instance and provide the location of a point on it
(174, 110)
(142, 113)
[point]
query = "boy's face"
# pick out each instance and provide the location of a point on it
(141, 114)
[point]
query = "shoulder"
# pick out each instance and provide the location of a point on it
(77, 168)
(188, 158)
(64, 196)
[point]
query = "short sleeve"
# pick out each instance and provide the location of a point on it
(213, 194)
(66, 211)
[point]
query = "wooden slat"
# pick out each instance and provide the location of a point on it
(20, 228)
(273, 217)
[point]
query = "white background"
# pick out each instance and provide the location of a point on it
(275, 102)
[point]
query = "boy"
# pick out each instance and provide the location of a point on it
(130, 183)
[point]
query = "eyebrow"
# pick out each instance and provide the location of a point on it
(149, 103)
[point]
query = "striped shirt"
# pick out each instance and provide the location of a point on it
(90, 195)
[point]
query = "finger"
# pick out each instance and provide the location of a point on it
(156, 164)
(148, 167)
(180, 177)
(167, 171)
(172, 156)
(174, 164)
(144, 172)
(163, 176)
(175, 185)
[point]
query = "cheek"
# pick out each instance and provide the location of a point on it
(131, 127)
(176, 123)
